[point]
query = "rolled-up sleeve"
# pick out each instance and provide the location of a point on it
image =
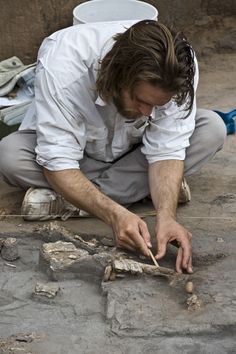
(60, 133)
(167, 136)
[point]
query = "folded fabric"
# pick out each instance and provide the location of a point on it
(12, 70)
(14, 114)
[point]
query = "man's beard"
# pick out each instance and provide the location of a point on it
(125, 112)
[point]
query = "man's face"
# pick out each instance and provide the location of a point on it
(145, 98)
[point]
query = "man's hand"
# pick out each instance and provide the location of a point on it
(131, 232)
(168, 230)
(165, 180)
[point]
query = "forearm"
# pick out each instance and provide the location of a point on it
(165, 180)
(130, 231)
(74, 186)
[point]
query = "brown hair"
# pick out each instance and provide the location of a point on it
(148, 51)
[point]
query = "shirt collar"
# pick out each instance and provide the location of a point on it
(152, 115)
(100, 102)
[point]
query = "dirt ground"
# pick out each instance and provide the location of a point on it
(137, 314)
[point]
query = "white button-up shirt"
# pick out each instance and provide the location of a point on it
(70, 118)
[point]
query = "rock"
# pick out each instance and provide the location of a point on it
(107, 273)
(9, 250)
(220, 240)
(108, 241)
(194, 303)
(63, 260)
(53, 232)
(189, 287)
(46, 290)
(27, 338)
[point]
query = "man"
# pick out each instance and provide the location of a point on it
(101, 90)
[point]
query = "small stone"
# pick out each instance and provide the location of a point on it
(9, 251)
(189, 287)
(46, 290)
(194, 303)
(107, 273)
(107, 241)
(24, 338)
(10, 265)
(72, 256)
(220, 240)
(192, 299)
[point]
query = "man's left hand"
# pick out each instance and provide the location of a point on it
(169, 230)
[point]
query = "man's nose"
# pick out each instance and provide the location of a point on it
(145, 109)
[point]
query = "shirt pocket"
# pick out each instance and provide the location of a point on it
(129, 134)
(134, 131)
(96, 142)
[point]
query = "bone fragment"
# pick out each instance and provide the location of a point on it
(125, 265)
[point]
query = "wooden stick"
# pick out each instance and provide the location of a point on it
(153, 258)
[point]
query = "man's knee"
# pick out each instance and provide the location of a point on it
(214, 128)
(9, 156)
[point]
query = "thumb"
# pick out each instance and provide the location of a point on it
(161, 247)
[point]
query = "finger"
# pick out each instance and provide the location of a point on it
(178, 263)
(135, 242)
(136, 236)
(145, 234)
(187, 252)
(125, 240)
(161, 248)
(190, 267)
(140, 243)
(142, 246)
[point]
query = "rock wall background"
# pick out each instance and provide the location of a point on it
(24, 23)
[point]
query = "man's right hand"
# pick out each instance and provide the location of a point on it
(131, 232)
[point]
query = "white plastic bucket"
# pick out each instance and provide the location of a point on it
(113, 10)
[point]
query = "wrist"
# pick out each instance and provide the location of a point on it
(165, 213)
(114, 213)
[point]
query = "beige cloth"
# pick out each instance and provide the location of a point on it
(11, 70)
